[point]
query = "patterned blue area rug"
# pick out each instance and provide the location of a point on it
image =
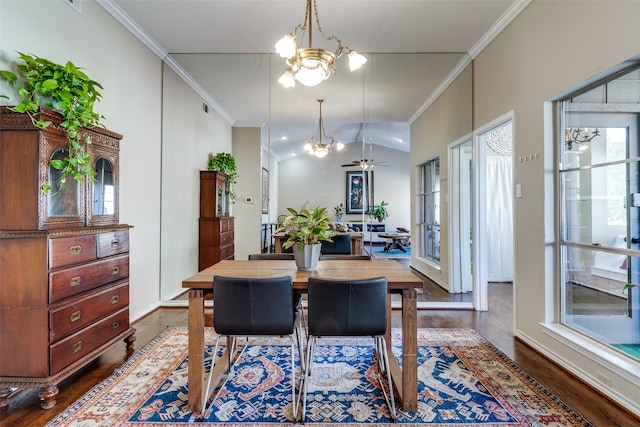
(462, 380)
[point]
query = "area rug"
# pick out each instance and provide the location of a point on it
(379, 252)
(462, 380)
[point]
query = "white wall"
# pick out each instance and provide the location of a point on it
(131, 77)
(189, 135)
(323, 182)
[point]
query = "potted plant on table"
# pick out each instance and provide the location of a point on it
(67, 90)
(305, 230)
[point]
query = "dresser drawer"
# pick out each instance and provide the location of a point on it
(73, 316)
(226, 238)
(72, 281)
(226, 252)
(64, 251)
(83, 342)
(113, 243)
(226, 225)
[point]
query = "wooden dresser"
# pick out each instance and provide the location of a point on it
(215, 225)
(64, 259)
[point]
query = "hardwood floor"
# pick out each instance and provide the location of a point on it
(494, 325)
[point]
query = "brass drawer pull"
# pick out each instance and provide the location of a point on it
(77, 347)
(75, 281)
(75, 250)
(115, 299)
(115, 325)
(115, 243)
(75, 316)
(115, 270)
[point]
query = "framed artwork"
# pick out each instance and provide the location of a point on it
(359, 187)
(265, 191)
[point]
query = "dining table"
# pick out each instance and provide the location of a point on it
(400, 280)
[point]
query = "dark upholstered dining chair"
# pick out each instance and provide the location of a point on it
(341, 245)
(349, 308)
(271, 256)
(297, 298)
(247, 307)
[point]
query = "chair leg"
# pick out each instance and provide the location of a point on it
(311, 344)
(203, 413)
(388, 397)
(303, 320)
(295, 403)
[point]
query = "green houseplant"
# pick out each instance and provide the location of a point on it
(67, 90)
(225, 163)
(305, 230)
(380, 212)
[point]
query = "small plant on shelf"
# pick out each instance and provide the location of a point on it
(339, 212)
(67, 90)
(225, 163)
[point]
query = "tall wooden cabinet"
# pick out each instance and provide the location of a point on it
(215, 224)
(64, 259)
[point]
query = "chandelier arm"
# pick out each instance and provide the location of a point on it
(338, 51)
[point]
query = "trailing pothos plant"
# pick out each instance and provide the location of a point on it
(225, 163)
(67, 90)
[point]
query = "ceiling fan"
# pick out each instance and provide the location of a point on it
(364, 164)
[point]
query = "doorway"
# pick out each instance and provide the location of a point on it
(493, 244)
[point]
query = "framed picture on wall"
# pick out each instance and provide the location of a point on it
(265, 191)
(359, 187)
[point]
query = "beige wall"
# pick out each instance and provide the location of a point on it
(447, 120)
(544, 51)
(248, 153)
(189, 135)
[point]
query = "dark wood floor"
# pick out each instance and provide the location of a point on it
(494, 325)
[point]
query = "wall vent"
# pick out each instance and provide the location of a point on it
(74, 4)
(205, 108)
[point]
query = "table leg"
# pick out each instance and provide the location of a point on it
(196, 350)
(410, 350)
(405, 379)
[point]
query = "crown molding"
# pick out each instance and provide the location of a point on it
(514, 10)
(120, 15)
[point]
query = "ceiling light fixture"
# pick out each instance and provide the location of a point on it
(315, 146)
(310, 66)
(579, 136)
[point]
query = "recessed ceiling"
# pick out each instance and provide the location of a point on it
(227, 48)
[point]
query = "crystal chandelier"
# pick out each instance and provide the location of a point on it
(579, 136)
(310, 66)
(315, 146)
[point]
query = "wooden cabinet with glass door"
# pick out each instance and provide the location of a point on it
(216, 226)
(64, 287)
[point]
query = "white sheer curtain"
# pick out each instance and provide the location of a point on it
(499, 220)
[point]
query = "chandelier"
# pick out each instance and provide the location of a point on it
(315, 146)
(310, 66)
(579, 136)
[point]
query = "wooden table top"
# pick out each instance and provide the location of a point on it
(398, 276)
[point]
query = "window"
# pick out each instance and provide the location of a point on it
(599, 212)
(429, 224)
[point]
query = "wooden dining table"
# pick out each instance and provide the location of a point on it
(400, 280)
